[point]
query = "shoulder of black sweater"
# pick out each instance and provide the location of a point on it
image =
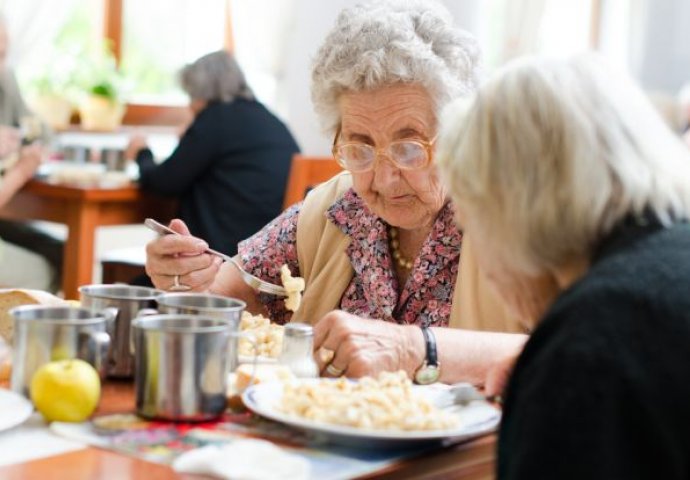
(635, 266)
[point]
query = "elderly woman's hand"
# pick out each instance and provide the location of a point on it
(179, 261)
(136, 143)
(498, 375)
(353, 346)
(30, 159)
(10, 140)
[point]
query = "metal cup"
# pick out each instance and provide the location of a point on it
(113, 159)
(181, 366)
(77, 153)
(127, 300)
(43, 334)
(214, 306)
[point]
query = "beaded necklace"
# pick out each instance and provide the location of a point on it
(395, 250)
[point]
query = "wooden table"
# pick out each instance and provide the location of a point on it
(83, 209)
(472, 460)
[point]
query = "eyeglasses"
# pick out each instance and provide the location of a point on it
(405, 154)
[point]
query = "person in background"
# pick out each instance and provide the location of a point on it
(12, 105)
(386, 269)
(230, 168)
(35, 255)
(684, 101)
(562, 168)
(19, 266)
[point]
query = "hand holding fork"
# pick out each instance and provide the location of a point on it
(248, 278)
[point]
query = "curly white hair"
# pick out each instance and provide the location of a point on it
(385, 42)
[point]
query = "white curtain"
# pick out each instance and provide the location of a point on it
(32, 26)
(521, 28)
(262, 33)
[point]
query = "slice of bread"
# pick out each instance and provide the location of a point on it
(15, 297)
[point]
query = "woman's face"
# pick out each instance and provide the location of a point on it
(407, 199)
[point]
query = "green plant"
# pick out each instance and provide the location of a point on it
(98, 74)
(105, 90)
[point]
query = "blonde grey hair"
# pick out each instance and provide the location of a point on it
(215, 77)
(551, 155)
(386, 42)
(670, 110)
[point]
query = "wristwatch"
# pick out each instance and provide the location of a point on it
(430, 370)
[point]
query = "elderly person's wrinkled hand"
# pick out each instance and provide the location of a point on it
(136, 142)
(176, 262)
(498, 375)
(353, 346)
(10, 140)
(30, 158)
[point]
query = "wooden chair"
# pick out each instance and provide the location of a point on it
(305, 174)
(123, 265)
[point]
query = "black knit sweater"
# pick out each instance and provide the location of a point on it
(602, 388)
(228, 172)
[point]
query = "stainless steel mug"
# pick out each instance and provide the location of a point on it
(77, 153)
(207, 305)
(127, 300)
(181, 366)
(113, 159)
(43, 334)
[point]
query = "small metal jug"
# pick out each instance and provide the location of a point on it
(43, 334)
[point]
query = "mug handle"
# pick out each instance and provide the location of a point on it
(94, 348)
(141, 313)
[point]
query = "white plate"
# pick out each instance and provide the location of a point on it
(476, 419)
(14, 409)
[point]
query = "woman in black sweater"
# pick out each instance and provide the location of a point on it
(230, 168)
(564, 169)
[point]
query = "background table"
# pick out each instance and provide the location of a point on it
(472, 460)
(83, 209)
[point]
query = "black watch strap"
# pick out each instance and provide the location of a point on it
(431, 352)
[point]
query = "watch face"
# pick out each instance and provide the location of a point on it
(427, 374)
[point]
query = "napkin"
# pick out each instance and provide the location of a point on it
(243, 460)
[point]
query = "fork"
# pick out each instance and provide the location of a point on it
(462, 394)
(254, 282)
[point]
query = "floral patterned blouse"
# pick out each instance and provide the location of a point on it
(374, 291)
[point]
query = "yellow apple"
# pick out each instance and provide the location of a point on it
(66, 390)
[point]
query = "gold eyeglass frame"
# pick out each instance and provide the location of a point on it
(428, 145)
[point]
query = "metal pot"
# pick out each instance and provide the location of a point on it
(127, 300)
(206, 305)
(181, 366)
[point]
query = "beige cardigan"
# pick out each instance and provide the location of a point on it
(326, 268)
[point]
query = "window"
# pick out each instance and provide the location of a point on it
(46, 43)
(550, 27)
(53, 41)
(159, 37)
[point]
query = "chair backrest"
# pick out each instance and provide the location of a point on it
(305, 174)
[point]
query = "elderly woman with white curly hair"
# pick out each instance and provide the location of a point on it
(376, 245)
(564, 169)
